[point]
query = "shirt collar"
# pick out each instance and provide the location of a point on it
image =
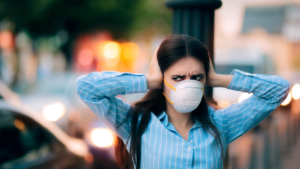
(163, 117)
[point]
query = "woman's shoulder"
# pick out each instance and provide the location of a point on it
(210, 108)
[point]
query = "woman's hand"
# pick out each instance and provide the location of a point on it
(217, 80)
(154, 76)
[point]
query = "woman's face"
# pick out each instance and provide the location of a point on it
(187, 68)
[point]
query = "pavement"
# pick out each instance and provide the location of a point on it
(292, 159)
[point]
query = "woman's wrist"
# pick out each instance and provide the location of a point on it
(219, 80)
(153, 82)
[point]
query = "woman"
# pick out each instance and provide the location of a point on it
(172, 126)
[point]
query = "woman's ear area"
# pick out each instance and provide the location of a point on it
(211, 73)
(168, 79)
(163, 83)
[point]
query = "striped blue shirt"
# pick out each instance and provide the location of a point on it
(162, 146)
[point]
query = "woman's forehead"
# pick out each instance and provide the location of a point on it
(186, 66)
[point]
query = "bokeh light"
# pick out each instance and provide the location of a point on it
(89, 158)
(112, 62)
(54, 111)
(130, 50)
(19, 124)
(287, 100)
(86, 57)
(111, 50)
(6, 40)
(102, 137)
(296, 91)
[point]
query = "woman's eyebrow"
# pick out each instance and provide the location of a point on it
(184, 75)
(198, 75)
(178, 75)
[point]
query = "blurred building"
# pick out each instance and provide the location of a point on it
(259, 36)
(269, 30)
(275, 29)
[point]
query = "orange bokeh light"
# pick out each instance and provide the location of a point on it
(86, 57)
(130, 50)
(6, 40)
(111, 50)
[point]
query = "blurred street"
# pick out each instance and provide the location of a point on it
(274, 143)
(46, 45)
(292, 159)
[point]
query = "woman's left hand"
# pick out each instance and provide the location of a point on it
(217, 80)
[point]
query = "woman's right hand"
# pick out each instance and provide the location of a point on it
(154, 76)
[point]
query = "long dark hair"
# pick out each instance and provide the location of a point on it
(171, 50)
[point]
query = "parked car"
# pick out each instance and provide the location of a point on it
(56, 100)
(30, 141)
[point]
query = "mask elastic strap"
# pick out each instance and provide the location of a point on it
(167, 98)
(171, 88)
(169, 85)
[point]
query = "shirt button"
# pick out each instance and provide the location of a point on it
(189, 148)
(191, 141)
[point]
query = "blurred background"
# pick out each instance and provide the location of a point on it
(45, 45)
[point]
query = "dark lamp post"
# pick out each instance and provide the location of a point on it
(196, 18)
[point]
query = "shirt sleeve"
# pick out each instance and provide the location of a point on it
(99, 90)
(269, 92)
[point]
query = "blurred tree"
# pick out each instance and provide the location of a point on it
(48, 17)
(153, 14)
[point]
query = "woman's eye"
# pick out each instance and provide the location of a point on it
(198, 78)
(177, 78)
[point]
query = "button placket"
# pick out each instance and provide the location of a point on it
(191, 138)
(190, 149)
(190, 156)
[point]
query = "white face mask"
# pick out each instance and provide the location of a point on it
(186, 95)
